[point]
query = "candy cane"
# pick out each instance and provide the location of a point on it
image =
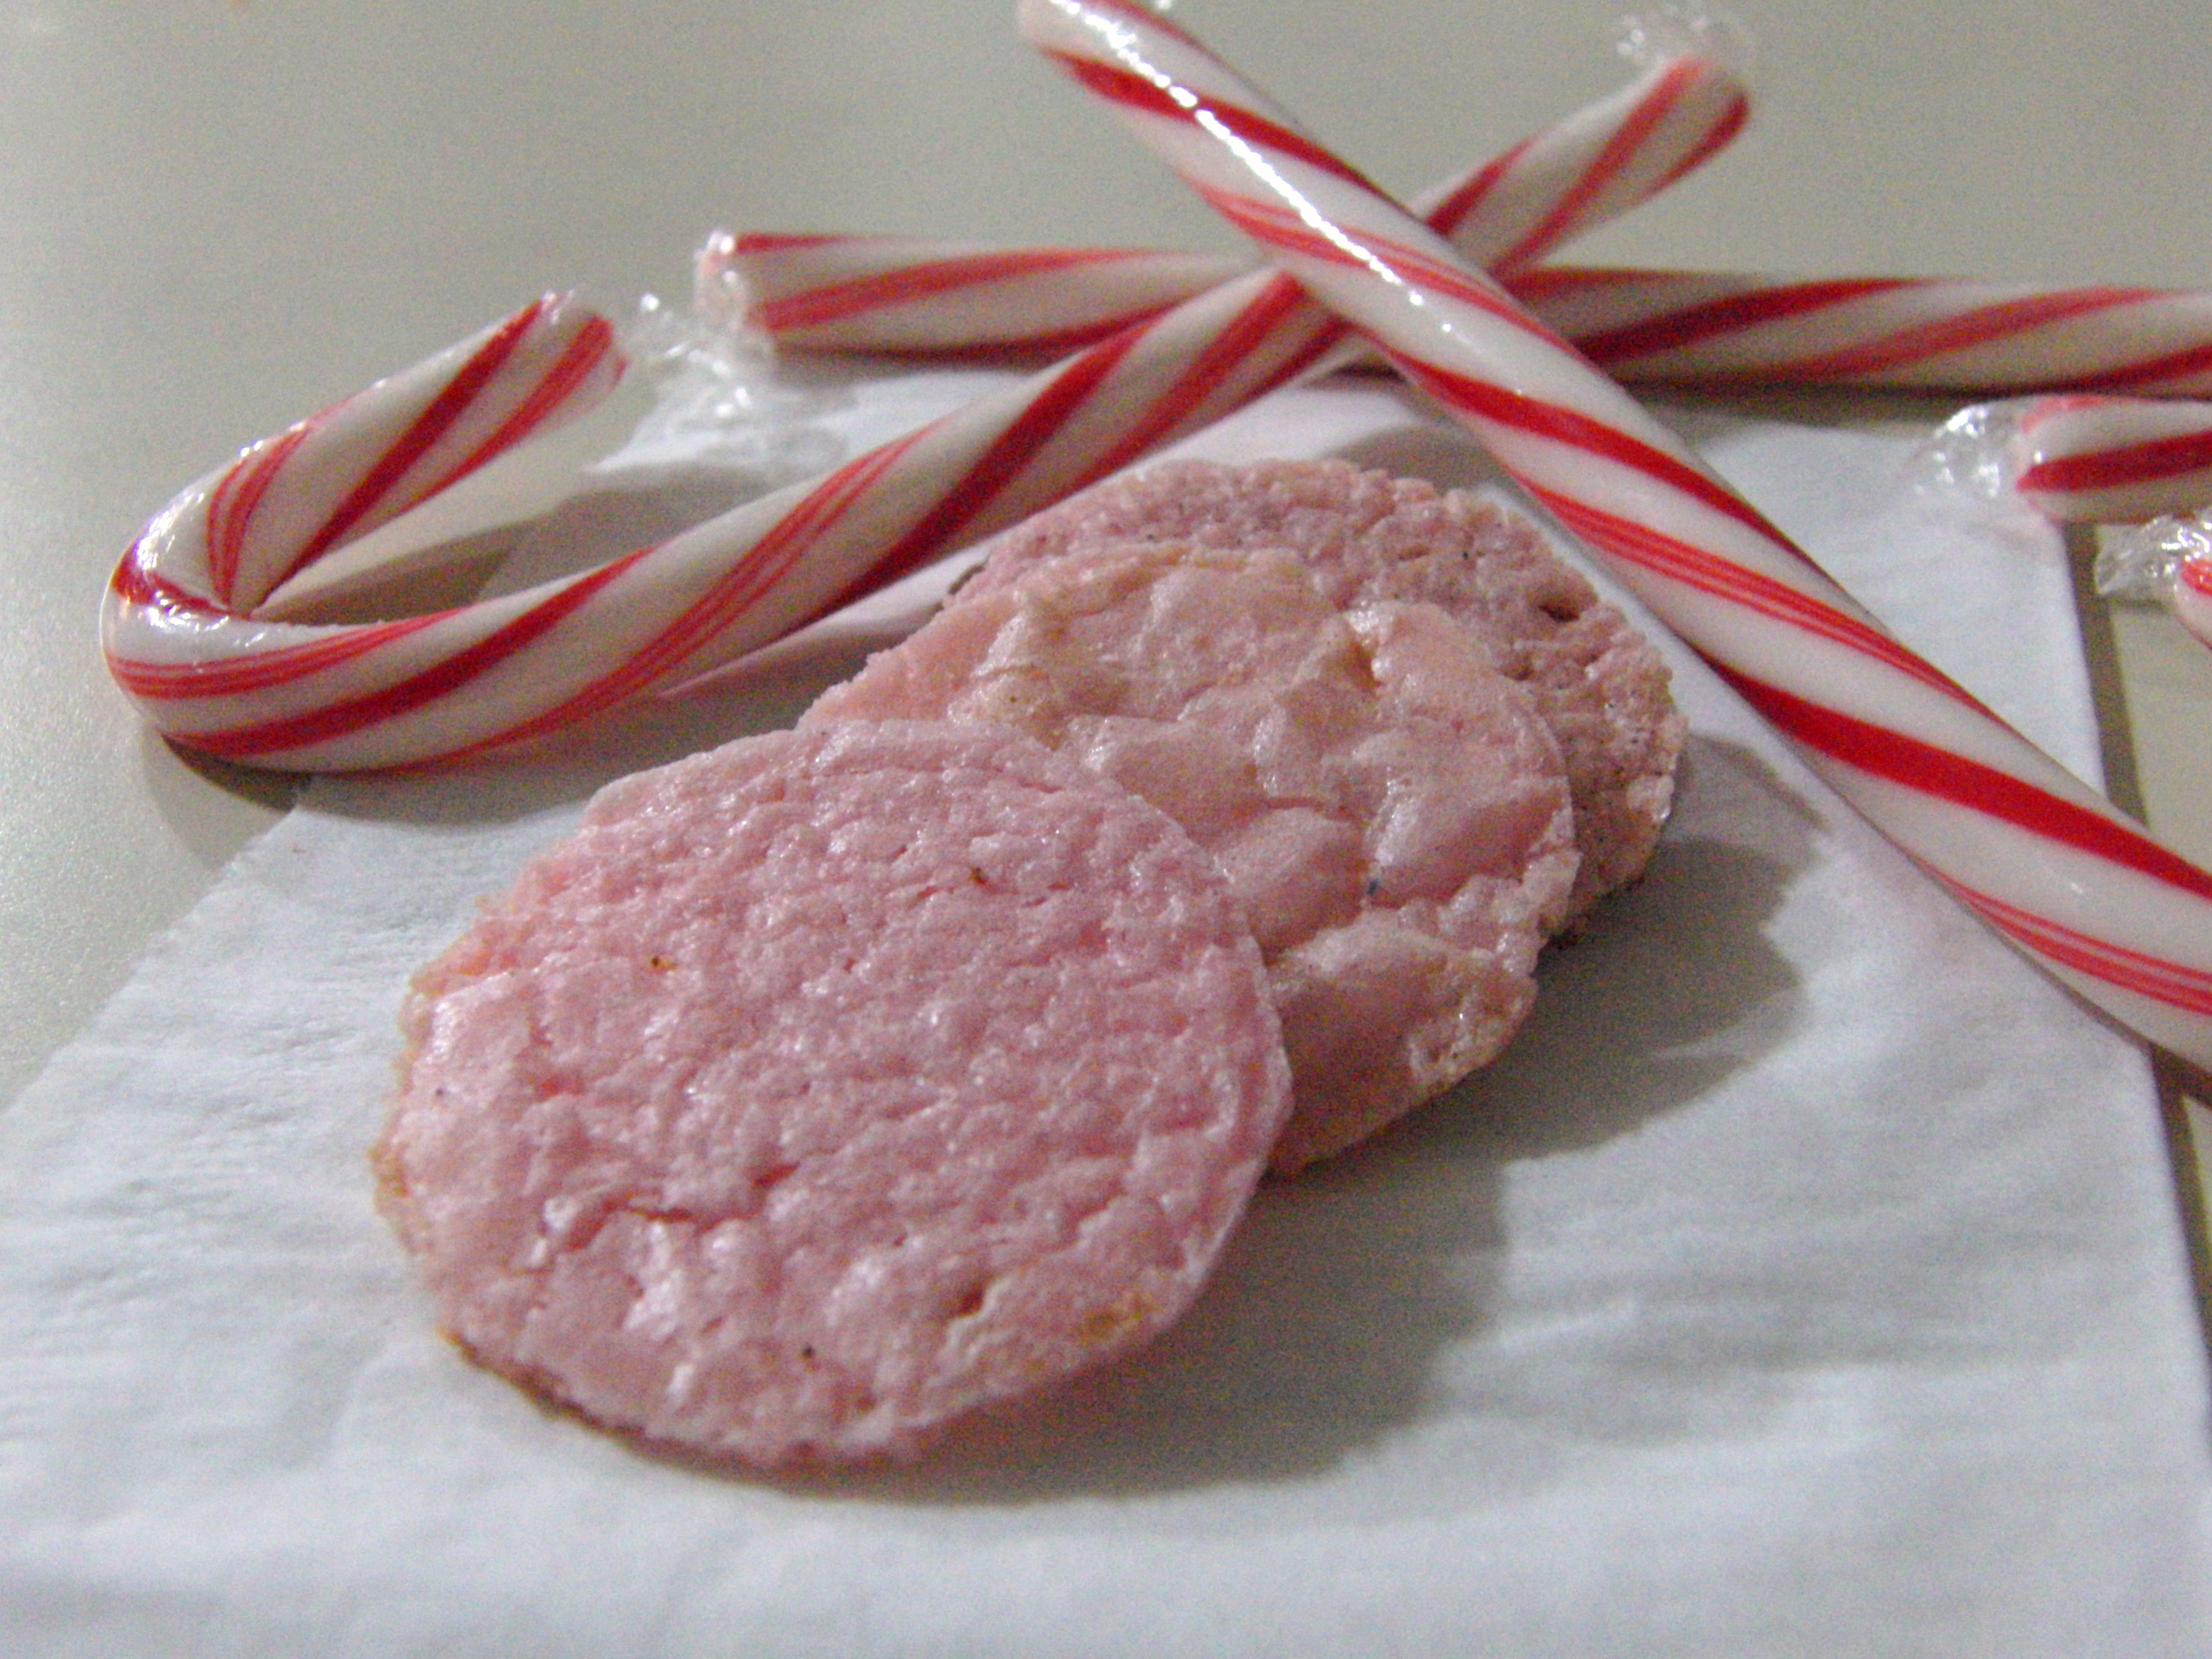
(213, 676)
(182, 639)
(1719, 331)
(234, 538)
(1713, 332)
(2046, 861)
(2113, 460)
(909, 296)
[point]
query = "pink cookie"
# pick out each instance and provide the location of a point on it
(825, 1087)
(1367, 536)
(1391, 812)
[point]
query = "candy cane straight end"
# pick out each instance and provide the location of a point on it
(2086, 459)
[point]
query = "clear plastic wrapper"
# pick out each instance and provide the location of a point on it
(2166, 562)
(717, 396)
(1974, 451)
(1651, 36)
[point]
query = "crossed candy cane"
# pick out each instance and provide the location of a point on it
(2044, 859)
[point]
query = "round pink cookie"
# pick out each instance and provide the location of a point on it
(827, 1087)
(1391, 812)
(1366, 535)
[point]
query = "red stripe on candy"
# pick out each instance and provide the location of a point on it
(238, 676)
(2155, 457)
(1254, 327)
(1922, 766)
(1723, 133)
(1460, 206)
(837, 301)
(136, 582)
(1681, 561)
(727, 599)
(1003, 460)
(236, 498)
(571, 371)
(2189, 363)
(1559, 424)
(2130, 970)
(1983, 326)
(1618, 151)
(442, 678)
(437, 417)
(1135, 92)
(770, 241)
(1694, 324)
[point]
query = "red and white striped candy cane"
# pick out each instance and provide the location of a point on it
(183, 641)
(2045, 860)
(1719, 331)
(2113, 460)
(909, 296)
(1696, 331)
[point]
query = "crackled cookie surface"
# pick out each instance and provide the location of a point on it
(1366, 535)
(1391, 812)
(825, 1088)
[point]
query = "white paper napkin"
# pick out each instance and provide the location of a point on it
(1806, 1281)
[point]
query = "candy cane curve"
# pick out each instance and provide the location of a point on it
(2044, 860)
(182, 641)
(234, 538)
(1714, 331)
(905, 297)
